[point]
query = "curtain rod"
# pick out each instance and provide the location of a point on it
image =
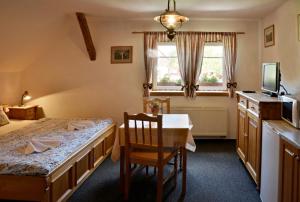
(142, 32)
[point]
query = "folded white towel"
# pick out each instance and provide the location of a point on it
(40, 144)
(79, 125)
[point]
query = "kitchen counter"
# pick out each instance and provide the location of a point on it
(259, 97)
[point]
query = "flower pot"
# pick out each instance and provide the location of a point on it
(155, 111)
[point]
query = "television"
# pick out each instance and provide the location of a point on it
(271, 78)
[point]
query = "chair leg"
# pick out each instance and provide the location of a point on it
(127, 181)
(160, 176)
(175, 169)
(154, 170)
(147, 170)
(180, 159)
(122, 169)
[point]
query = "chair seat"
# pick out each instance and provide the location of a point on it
(149, 158)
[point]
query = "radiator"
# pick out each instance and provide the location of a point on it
(207, 121)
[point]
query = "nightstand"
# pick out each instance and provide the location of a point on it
(24, 113)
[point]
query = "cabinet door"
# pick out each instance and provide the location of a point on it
(297, 181)
(242, 135)
(288, 172)
(254, 146)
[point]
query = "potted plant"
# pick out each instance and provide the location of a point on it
(154, 106)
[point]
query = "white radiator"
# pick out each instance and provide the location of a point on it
(207, 121)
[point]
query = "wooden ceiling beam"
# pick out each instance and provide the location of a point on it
(86, 35)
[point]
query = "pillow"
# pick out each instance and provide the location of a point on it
(3, 118)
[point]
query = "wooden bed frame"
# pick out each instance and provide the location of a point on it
(60, 183)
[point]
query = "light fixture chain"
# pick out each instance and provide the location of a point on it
(174, 5)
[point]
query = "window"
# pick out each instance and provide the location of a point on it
(213, 73)
(166, 76)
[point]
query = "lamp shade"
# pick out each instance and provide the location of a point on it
(171, 20)
(25, 96)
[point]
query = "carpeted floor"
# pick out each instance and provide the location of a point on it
(214, 174)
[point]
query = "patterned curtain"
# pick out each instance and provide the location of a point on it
(190, 48)
(230, 54)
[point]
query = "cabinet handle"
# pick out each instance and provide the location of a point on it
(252, 108)
(289, 152)
(297, 157)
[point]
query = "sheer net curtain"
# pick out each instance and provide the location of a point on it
(190, 48)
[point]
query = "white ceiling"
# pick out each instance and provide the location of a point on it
(133, 9)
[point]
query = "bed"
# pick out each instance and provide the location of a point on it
(55, 174)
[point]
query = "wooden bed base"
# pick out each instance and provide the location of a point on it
(65, 179)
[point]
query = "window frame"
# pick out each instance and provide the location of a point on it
(204, 90)
(217, 86)
(154, 75)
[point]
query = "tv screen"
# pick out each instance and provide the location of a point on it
(271, 77)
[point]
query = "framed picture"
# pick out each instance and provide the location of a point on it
(121, 54)
(299, 27)
(269, 36)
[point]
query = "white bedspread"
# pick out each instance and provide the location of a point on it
(15, 163)
(14, 125)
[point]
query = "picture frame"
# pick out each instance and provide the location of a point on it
(298, 27)
(121, 54)
(269, 36)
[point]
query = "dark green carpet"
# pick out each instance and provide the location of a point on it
(214, 174)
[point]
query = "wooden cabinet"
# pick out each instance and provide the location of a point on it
(254, 139)
(242, 135)
(289, 172)
(23, 113)
(252, 109)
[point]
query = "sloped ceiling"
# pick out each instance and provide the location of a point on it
(29, 27)
(192, 8)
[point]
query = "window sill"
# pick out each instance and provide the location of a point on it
(180, 93)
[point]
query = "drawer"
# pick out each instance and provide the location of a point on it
(253, 107)
(243, 101)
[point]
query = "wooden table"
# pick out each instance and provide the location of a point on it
(176, 132)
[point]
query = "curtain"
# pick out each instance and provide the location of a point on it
(150, 47)
(190, 48)
(230, 54)
(150, 56)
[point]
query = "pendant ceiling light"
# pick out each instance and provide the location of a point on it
(171, 20)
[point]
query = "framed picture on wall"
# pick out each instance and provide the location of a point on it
(298, 27)
(121, 54)
(269, 37)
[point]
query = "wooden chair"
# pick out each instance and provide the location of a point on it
(165, 108)
(142, 149)
(164, 105)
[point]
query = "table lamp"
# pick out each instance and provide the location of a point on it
(25, 96)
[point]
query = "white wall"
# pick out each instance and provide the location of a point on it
(10, 87)
(287, 47)
(66, 83)
(42, 51)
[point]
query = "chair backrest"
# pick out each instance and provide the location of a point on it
(164, 105)
(143, 132)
